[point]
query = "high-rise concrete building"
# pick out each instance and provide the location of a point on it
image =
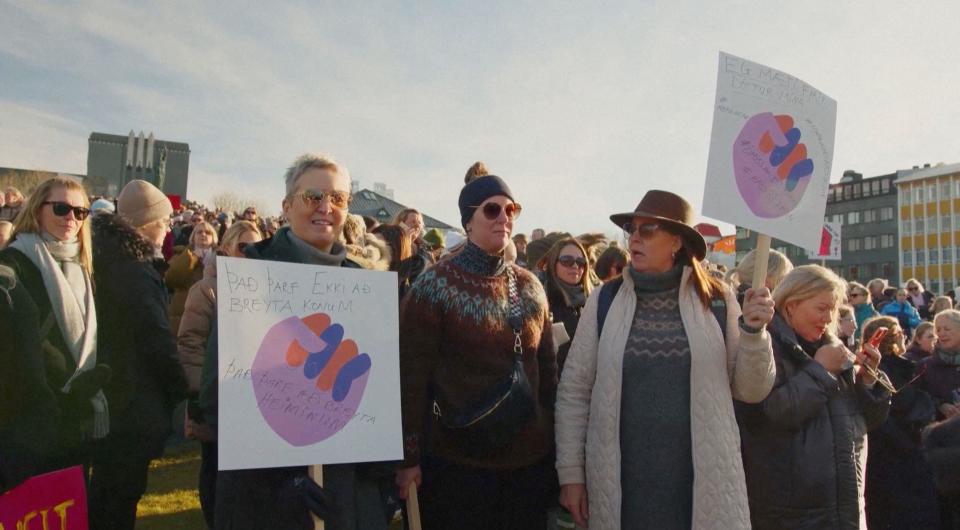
(929, 200)
(116, 160)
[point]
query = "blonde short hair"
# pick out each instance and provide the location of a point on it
(200, 227)
(950, 314)
(308, 161)
(807, 281)
(778, 266)
(237, 229)
(860, 287)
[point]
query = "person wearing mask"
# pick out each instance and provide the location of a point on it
(919, 298)
(315, 206)
(923, 342)
(646, 431)
(804, 445)
(479, 375)
(186, 268)
(567, 285)
(740, 277)
(900, 492)
(198, 317)
(51, 404)
(135, 339)
(858, 296)
(13, 203)
(905, 313)
(941, 371)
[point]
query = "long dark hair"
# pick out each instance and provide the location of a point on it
(400, 247)
(707, 286)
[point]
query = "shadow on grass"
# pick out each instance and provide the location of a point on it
(171, 501)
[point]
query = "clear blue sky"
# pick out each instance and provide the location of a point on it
(580, 108)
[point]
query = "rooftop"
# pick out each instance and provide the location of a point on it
(385, 209)
(909, 175)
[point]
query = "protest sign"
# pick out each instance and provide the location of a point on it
(771, 152)
(308, 365)
(52, 500)
(830, 240)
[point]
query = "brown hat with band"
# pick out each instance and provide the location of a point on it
(674, 211)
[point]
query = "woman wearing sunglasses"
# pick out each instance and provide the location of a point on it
(199, 316)
(479, 375)
(51, 405)
(566, 280)
(646, 432)
(900, 492)
(804, 446)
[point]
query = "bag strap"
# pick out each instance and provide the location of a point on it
(718, 306)
(607, 294)
(515, 317)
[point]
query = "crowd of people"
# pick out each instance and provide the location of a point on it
(549, 381)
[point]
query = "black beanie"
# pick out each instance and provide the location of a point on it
(479, 190)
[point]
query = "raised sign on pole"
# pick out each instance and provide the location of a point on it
(830, 243)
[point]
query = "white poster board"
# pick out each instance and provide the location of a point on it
(308, 365)
(830, 243)
(771, 151)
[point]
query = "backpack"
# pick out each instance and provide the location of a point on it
(718, 306)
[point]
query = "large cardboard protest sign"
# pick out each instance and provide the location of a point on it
(308, 365)
(830, 243)
(55, 500)
(771, 152)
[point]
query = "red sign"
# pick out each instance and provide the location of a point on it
(55, 500)
(175, 202)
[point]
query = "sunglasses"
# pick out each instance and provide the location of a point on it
(62, 209)
(242, 246)
(855, 295)
(313, 198)
(913, 288)
(644, 229)
(570, 261)
(492, 210)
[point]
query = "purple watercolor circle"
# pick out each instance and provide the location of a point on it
(766, 194)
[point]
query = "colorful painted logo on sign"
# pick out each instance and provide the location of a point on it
(307, 379)
(771, 165)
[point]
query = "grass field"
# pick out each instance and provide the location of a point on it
(171, 502)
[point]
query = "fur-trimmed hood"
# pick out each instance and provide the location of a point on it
(374, 254)
(114, 239)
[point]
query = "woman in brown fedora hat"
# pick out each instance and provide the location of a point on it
(645, 425)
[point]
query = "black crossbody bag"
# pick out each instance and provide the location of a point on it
(495, 420)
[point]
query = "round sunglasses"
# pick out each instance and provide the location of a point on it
(62, 209)
(570, 261)
(313, 198)
(492, 210)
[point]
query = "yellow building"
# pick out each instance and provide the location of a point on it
(929, 206)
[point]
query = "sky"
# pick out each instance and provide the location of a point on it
(580, 108)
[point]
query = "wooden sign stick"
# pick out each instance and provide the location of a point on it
(760, 264)
(413, 507)
(316, 473)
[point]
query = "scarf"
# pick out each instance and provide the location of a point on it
(917, 299)
(70, 291)
(951, 358)
(307, 253)
(573, 294)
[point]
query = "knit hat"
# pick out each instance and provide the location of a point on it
(142, 203)
(102, 205)
(434, 237)
(479, 190)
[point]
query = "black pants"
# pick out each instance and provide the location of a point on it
(207, 480)
(455, 496)
(118, 477)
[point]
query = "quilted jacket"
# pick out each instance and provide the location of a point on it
(588, 406)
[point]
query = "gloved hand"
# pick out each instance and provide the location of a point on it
(88, 383)
(311, 495)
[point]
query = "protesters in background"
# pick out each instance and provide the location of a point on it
(538, 233)
(878, 294)
(923, 342)
(567, 284)
(434, 243)
(804, 445)
(941, 371)
(402, 260)
(919, 298)
(847, 327)
(611, 262)
(900, 494)
(520, 242)
(6, 230)
(250, 214)
(51, 405)
(315, 204)
(940, 303)
(102, 206)
(646, 433)
(741, 276)
(186, 268)
(858, 296)
(367, 250)
(481, 466)
(135, 339)
(13, 203)
(195, 327)
(903, 311)
(941, 445)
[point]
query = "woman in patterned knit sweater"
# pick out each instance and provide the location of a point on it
(460, 325)
(646, 431)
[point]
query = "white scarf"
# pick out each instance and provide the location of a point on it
(70, 291)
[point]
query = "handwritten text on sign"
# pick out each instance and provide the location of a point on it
(298, 345)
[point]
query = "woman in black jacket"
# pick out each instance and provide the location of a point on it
(803, 446)
(136, 341)
(566, 280)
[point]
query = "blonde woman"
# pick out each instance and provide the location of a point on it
(51, 404)
(859, 297)
(804, 445)
(186, 268)
(940, 303)
(741, 276)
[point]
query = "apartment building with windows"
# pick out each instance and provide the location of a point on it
(929, 215)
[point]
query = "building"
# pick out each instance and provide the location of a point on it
(867, 210)
(120, 159)
(385, 209)
(929, 207)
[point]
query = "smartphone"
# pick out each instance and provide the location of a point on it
(878, 336)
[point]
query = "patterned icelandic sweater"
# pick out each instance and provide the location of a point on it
(455, 340)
